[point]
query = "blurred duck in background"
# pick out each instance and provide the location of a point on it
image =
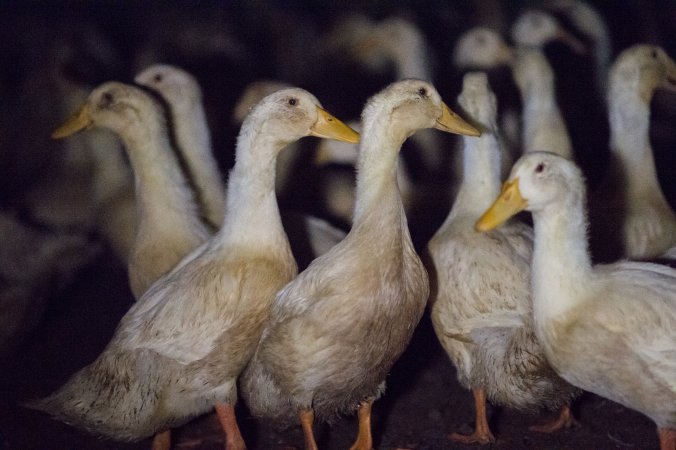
(168, 226)
(631, 217)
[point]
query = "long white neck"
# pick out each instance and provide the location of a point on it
(194, 139)
(629, 117)
(592, 24)
(252, 214)
(377, 194)
(481, 176)
(162, 194)
(543, 124)
(561, 262)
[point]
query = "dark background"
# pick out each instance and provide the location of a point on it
(226, 45)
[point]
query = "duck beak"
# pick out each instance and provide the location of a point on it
(508, 204)
(571, 41)
(670, 77)
(329, 127)
(79, 121)
(450, 122)
(505, 54)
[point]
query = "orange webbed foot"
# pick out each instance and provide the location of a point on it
(162, 440)
(484, 437)
(565, 420)
(667, 438)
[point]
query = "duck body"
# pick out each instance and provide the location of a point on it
(178, 351)
(641, 293)
(490, 339)
(609, 329)
(481, 308)
(334, 368)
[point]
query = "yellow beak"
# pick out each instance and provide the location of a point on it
(453, 123)
(77, 122)
(508, 204)
(329, 127)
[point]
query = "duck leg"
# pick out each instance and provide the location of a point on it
(667, 438)
(233, 437)
(162, 440)
(565, 420)
(307, 417)
(482, 432)
(364, 439)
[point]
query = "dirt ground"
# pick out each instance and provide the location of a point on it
(422, 406)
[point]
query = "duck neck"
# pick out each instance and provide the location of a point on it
(561, 261)
(630, 141)
(251, 211)
(411, 61)
(162, 194)
(377, 192)
(194, 139)
(481, 176)
(543, 124)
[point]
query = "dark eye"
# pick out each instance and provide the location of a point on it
(158, 77)
(106, 100)
(422, 91)
(539, 168)
(293, 102)
(654, 53)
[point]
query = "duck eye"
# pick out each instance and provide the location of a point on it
(654, 53)
(539, 168)
(422, 91)
(158, 77)
(293, 101)
(106, 100)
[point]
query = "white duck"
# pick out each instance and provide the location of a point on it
(630, 199)
(481, 305)
(178, 351)
(542, 121)
(336, 330)
(168, 225)
(608, 329)
(183, 94)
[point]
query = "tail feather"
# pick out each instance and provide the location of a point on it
(262, 395)
(105, 398)
(517, 373)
